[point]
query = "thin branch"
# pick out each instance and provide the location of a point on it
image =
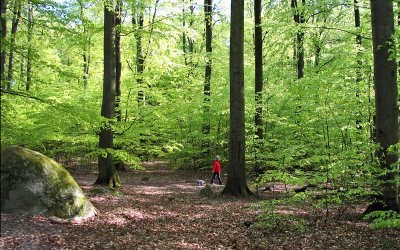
(339, 29)
(151, 30)
(23, 94)
(133, 122)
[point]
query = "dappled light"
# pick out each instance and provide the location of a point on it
(164, 213)
(187, 124)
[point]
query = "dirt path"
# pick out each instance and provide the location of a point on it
(162, 209)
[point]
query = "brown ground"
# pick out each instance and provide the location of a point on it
(167, 212)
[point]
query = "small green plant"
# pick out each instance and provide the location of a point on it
(272, 219)
(384, 219)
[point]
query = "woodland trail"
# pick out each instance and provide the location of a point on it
(161, 209)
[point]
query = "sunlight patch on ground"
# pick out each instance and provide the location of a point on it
(153, 190)
(187, 245)
(135, 214)
(197, 216)
(185, 186)
(292, 211)
(108, 199)
(116, 220)
(140, 199)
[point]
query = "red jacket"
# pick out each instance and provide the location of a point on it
(216, 166)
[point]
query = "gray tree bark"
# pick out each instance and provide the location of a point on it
(236, 183)
(3, 22)
(258, 54)
(298, 15)
(118, 66)
(207, 73)
(107, 173)
(138, 21)
(29, 53)
(14, 27)
(386, 96)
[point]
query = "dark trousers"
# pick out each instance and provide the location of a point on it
(218, 176)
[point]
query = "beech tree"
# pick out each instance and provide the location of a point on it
(258, 54)
(236, 183)
(298, 16)
(3, 21)
(138, 22)
(207, 73)
(118, 65)
(86, 45)
(386, 97)
(357, 23)
(14, 27)
(108, 175)
(29, 52)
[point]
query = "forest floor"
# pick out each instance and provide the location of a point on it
(158, 208)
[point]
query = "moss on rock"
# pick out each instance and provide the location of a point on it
(207, 191)
(32, 183)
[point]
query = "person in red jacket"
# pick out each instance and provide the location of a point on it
(216, 170)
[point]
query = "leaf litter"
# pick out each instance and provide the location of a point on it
(166, 211)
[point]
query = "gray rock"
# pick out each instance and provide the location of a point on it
(32, 183)
(207, 191)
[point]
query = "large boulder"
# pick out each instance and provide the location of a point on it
(32, 183)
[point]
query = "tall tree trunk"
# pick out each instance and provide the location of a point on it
(86, 61)
(14, 27)
(3, 21)
(138, 21)
(118, 22)
(207, 74)
(236, 183)
(398, 24)
(29, 53)
(86, 50)
(107, 172)
(184, 46)
(386, 94)
(23, 68)
(190, 40)
(258, 55)
(357, 23)
(298, 15)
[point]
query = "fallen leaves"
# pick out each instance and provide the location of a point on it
(167, 212)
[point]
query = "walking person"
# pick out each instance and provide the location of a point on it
(216, 170)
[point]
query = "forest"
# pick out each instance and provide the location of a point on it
(298, 98)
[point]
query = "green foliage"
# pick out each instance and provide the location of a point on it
(273, 218)
(384, 219)
(318, 130)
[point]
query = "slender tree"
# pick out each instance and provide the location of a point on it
(357, 23)
(14, 27)
(107, 172)
(30, 48)
(184, 46)
(86, 47)
(298, 15)
(258, 54)
(118, 68)
(207, 74)
(386, 96)
(398, 24)
(22, 68)
(3, 24)
(138, 22)
(236, 183)
(191, 23)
